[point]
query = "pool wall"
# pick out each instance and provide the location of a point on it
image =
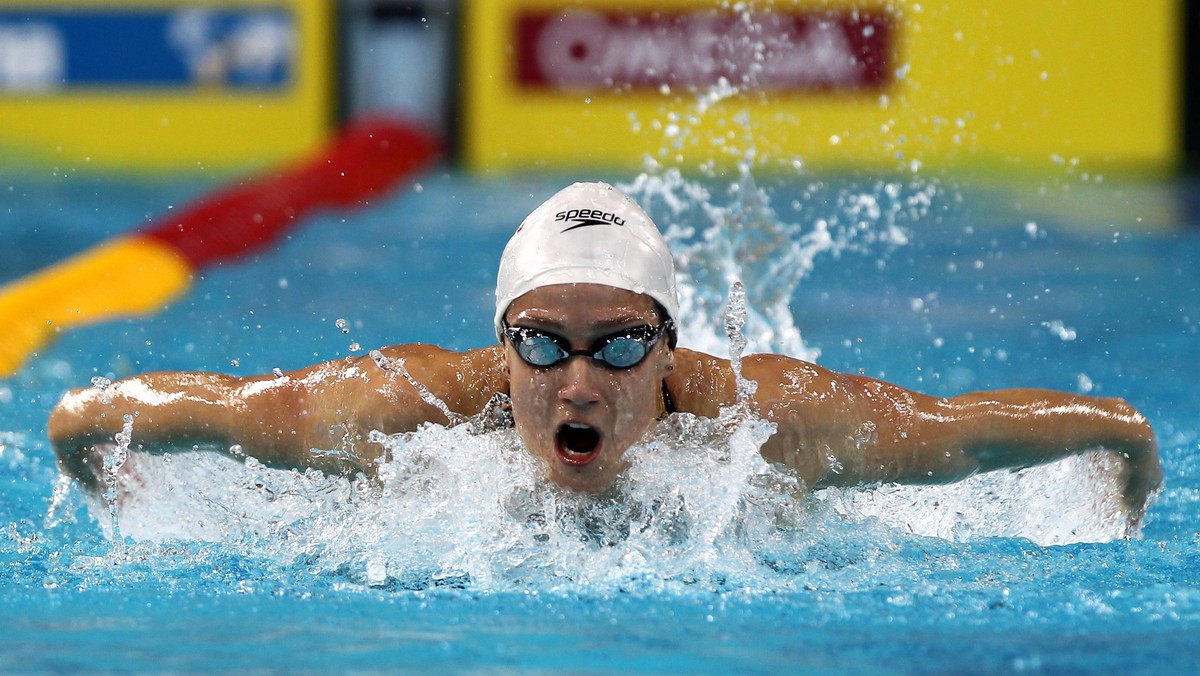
(519, 85)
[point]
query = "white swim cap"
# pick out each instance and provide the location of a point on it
(588, 233)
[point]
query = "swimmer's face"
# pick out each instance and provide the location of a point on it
(577, 416)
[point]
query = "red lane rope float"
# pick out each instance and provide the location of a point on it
(139, 273)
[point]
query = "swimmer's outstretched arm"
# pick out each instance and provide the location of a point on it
(319, 416)
(839, 429)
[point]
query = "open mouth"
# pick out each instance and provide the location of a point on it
(577, 444)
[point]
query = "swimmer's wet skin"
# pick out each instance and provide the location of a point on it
(578, 406)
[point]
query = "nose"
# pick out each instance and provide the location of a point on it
(579, 386)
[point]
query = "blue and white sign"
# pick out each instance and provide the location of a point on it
(184, 48)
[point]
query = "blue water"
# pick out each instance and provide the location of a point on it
(940, 285)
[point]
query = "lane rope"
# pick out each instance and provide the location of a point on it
(139, 273)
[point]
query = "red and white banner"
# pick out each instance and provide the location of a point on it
(802, 51)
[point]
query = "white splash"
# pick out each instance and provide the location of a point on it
(697, 505)
(1076, 499)
(735, 320)
(719, 237)
(450, 506)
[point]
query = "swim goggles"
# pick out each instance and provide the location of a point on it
(621, 350)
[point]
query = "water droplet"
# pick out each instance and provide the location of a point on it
(865, 434)
(735, 321)
(1084, 384)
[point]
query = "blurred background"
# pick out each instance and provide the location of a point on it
(1089, 88)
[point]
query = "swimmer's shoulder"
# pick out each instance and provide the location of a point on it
(701, 383)
(490, 357)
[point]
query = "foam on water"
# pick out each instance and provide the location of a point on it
(697, 506)
(451, 506)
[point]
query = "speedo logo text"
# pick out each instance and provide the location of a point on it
(584, 217)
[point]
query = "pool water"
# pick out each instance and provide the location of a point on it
(704, 560)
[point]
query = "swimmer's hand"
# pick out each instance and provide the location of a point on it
(261, 417)
(1021, 428)
(1143, 478)
(84, 464)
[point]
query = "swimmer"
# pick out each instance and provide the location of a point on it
(586, 318)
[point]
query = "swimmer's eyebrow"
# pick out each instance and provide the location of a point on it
(601, 327)
(626, 321)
